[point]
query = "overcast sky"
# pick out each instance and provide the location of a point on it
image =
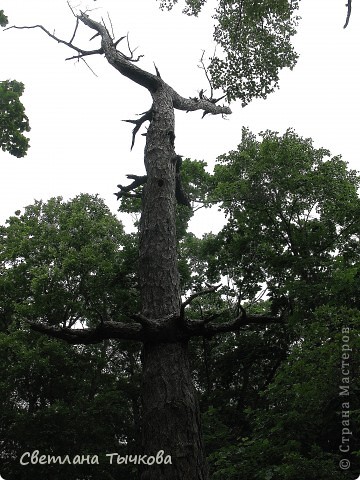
(78, 141)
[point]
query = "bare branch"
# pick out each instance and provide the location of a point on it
(47, 33)
(94, 36)
(138, 180)
(75, 336)
(202, 66)
(157, 71)
(118, 41)
(348, 15)
(127, 195)
(196, 295)
(131, 58)
(192, 104)
(241, 321)
(201, 94)
(215, 100)
(128, 42)
(125, 65)
(72, 10)
(86, 54)
(206, 329)
(146, 116)
(111, 25)
(136, 177)
(125, 189)
(118, 60)
(59, 40)
(91, 70)
(75, 30)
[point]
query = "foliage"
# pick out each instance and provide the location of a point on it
(254, 39)
(13, 121)
(63, 400)
(289, 209)
(3, 19)
(196, 180)
(66, 262)
(270, 396)
(192, 7)
(297, 426)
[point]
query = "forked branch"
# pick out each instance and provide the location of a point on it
(125, 65)
(348, 15)
(146, 116)
(196, 295)
(206, 328)
(126, 189)
(80, 51)
(77, 336)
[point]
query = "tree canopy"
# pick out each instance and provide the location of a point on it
(289, 208)
(66, 263)
(253, 44)
(291, 240)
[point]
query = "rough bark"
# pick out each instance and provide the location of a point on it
(158, 273)
(171, 417)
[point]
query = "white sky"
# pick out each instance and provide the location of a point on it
(78, 141)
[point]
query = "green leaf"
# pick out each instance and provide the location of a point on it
(13, 121)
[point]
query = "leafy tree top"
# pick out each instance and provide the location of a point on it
(290, 208)
(67, 261)
(254, 40)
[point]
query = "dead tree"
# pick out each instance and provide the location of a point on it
(170, 411)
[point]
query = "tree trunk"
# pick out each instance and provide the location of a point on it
(171, 417)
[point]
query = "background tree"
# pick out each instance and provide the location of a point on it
(61, 262)
(289, 211)
(292, 233)
(253, 44)
(291, 426)
(13, 121)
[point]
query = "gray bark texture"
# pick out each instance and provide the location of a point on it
(170, 416)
